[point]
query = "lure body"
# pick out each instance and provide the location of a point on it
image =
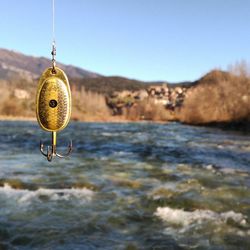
(53, 100)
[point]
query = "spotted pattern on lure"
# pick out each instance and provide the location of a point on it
(53, 100)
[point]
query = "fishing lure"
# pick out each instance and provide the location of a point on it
(53, 104)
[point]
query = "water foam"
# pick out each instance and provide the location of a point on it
(185, 218)
(193, 229)
(25, 196)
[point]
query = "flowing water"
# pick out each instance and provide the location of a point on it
(126, 186)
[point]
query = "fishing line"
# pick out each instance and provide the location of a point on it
(53, 23)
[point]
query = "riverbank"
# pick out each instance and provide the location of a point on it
(243, 126)
(216, 98)
(114, 119)
(16, 118)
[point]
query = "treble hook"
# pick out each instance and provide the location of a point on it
(51, 150)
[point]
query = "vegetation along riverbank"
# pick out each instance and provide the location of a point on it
(217, 98)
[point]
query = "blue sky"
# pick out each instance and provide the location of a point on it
(142, 39)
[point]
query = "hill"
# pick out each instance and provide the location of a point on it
(15, 65)
(19, 75)
(107, 85)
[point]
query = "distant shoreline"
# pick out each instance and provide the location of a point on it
(94, 119)
(114, 119)
(16, 118)
(243, 126)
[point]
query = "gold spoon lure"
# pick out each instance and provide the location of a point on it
(53, 105)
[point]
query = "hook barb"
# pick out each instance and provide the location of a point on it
(70, 148)
(51, 150)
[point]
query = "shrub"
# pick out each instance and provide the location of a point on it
(89, 105)
(148, 110)
(217, 97)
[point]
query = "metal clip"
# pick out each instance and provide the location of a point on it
(53, 53)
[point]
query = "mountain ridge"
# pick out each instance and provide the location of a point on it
(14, 64)
(18, 69)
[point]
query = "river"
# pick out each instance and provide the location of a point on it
(125, 186)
